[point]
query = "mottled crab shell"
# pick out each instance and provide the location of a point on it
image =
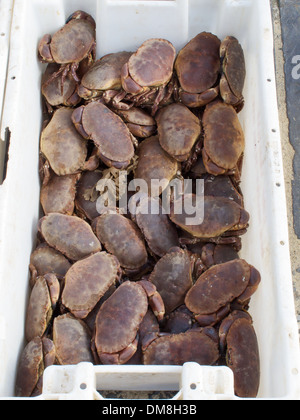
(58, 195)
(239, 338)
(198, 63)
(119, 318)
(152, 64)
(70, 235)
(224, 140)
(220, 215)
(122, 238)
(87, 281)
(72, 340)
(40, 306)
(73, 42)
(62, 145)
(178, 130)
(155, 164)
(192, 346)
(57, 93)
(30, 368)
(160, 234)
(109, 133)
(46, 260)
(172, 277)
(104, 74)
(234, 70)
(217, 287)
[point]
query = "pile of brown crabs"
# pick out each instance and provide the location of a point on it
(115, 288)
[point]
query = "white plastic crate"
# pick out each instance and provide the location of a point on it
(125, 24)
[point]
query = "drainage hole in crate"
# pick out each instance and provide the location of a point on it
(193, 386)
(83, 386)
(269, 80)
(282, 243)
(274, 131)
(278, 184)
(13, 78)
(2, 34)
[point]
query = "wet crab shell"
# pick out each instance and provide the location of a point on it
(238, 338)
(198, 63)
(224, 140)
(152, 64)
(72, 340)
(220, 215)
(36, 356)
(160, 234)
(87, 281)
(46, 260)
(234, 70)
(58, 92)
(109, 133)
(43, 298)
(103, 75)
(178, 130)
(70, 235)
(217, 287)
(62, 145)
(172, 277)
(121, 237)
(58, 195)
(73, 42)
(119, 318)
(155, 165)
(192, 346)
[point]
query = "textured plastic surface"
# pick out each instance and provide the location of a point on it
(125, 25)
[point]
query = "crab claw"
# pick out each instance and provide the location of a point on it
(155, 300)
(122, 357)
(45, 55)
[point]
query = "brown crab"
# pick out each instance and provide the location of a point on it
(62, 145)
(211, 296)
(87, 281)
(223, 219)
(58, 194)
(71, 45)
(224, 140)
(155, 166)
(139, 122)
(197, 345)
(56, 92)
(234, 72)
(198, 67)
(178, 130)
(179, 321)
(112, 138)
(103, 79)
(42, 302)
(69, 235)
(172, 277)
(72, 340)
(223, 186)
(122, 238)
(119, 318)
(239, 341)
(36, 357)
(45, 260)
(213, 254)
(149, 68)
(160, 234)
(86, 195)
